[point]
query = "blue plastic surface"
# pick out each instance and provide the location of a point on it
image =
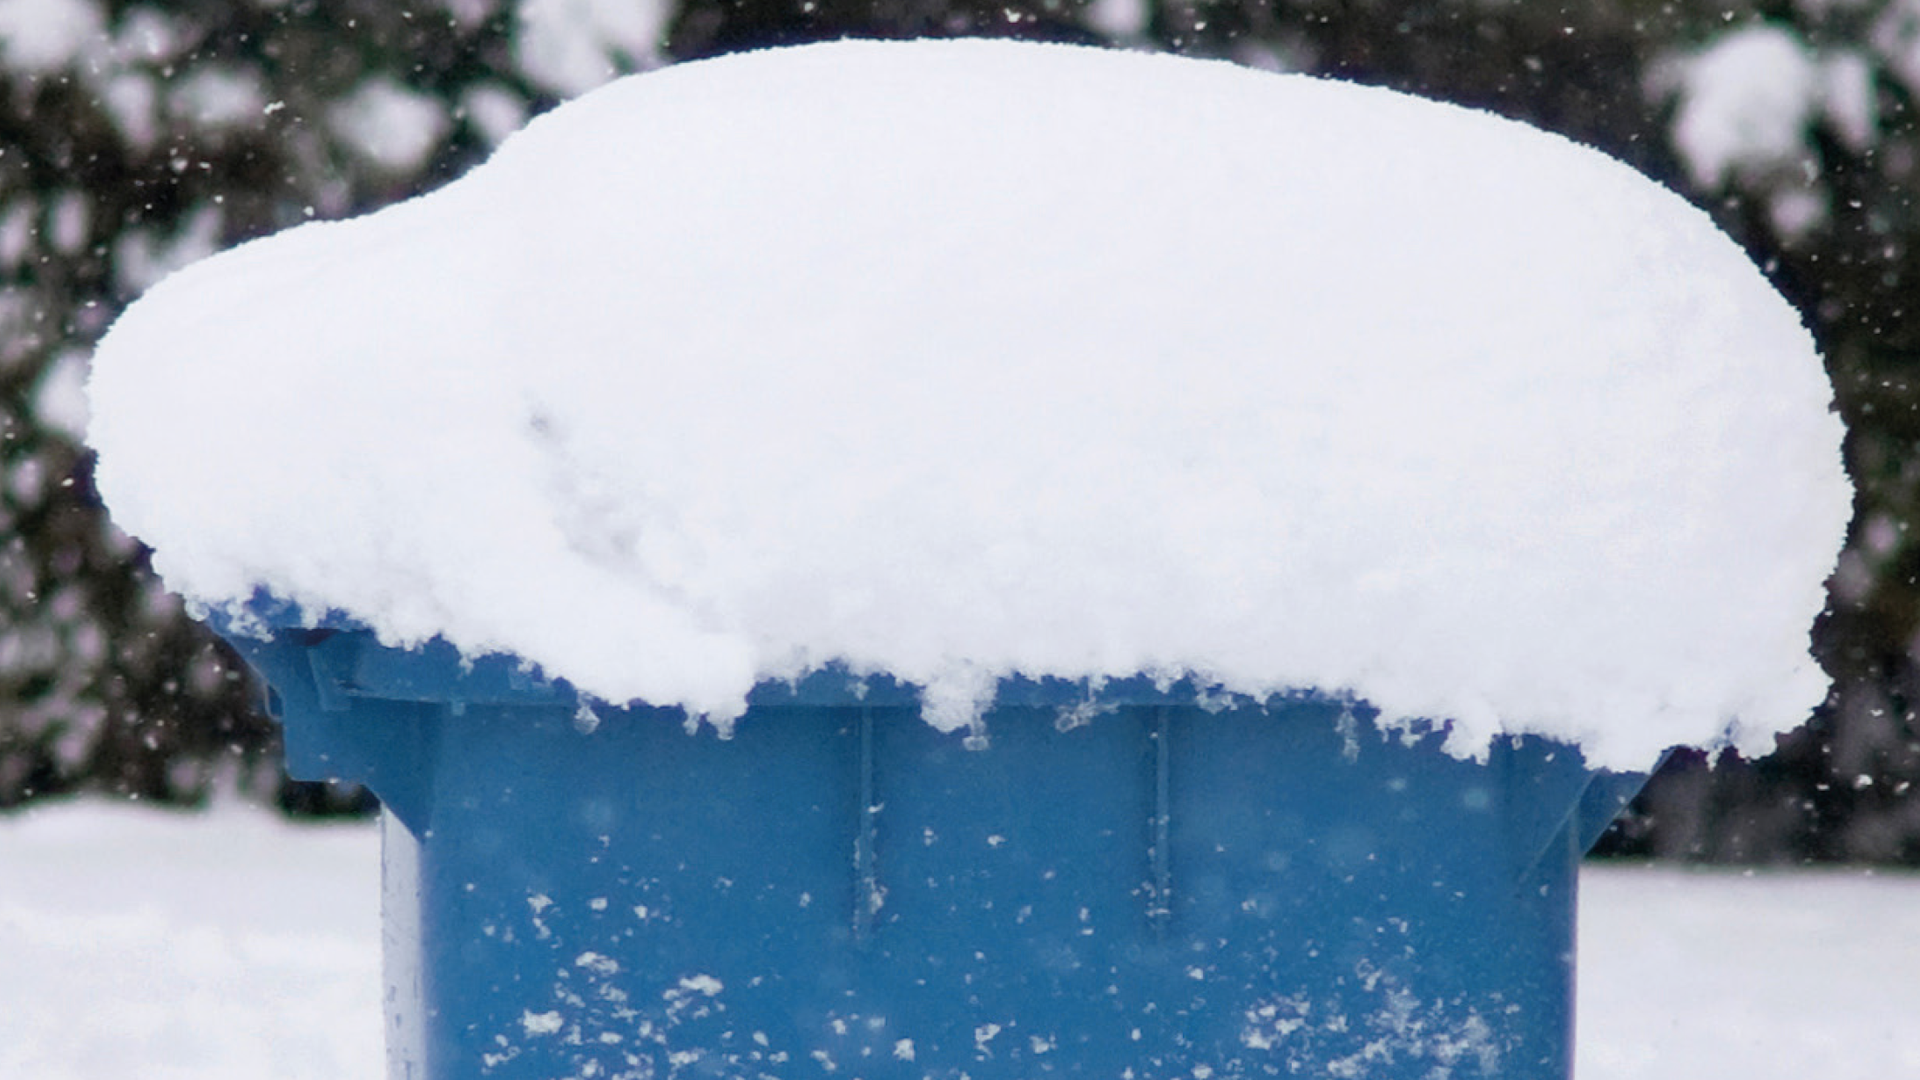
(1159, 890)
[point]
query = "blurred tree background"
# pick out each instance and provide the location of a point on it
(138, 136)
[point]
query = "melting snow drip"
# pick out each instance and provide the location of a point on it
(1348, 727)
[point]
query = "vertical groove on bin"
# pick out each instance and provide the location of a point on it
(1160, 902)
(866, 886)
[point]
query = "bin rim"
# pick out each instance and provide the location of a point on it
(437, 670)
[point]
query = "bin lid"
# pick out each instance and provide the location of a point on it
(957, 360)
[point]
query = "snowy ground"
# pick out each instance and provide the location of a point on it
(234, 946)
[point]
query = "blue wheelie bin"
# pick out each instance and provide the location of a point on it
(1129, 880)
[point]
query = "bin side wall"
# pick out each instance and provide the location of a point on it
(1167, 891)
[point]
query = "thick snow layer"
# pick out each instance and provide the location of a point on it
(231, 946)
(960, 359)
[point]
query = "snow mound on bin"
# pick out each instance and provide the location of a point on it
(962, 359)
